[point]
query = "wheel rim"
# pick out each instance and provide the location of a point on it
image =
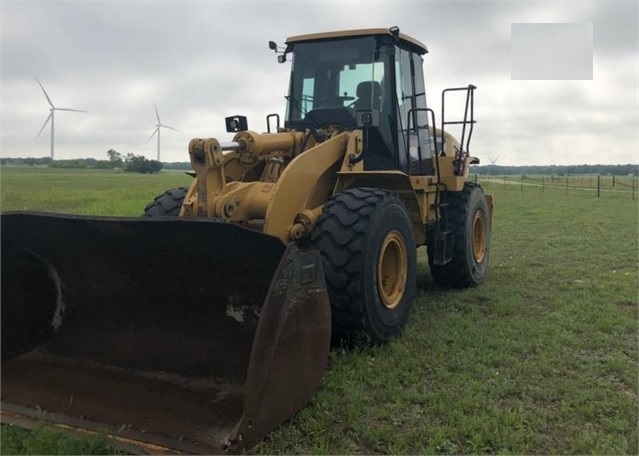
(479, 237)
(392, 269)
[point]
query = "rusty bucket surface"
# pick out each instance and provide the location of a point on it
(168, 335)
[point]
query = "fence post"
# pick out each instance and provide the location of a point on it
(566, 184)
(598, 185)
(613, 181)
(522, 182)
(634, 180)
(543, 184)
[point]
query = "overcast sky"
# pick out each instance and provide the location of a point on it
(202, 61)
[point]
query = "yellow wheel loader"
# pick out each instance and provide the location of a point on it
(205, 324)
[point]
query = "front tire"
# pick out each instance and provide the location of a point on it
(469, 220)
(367, 244)
(168, 204)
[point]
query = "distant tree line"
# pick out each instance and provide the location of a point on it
(81, 163)
(613, 170)
(178, 165)
(45, 161)
(129, 163)
(137, 163)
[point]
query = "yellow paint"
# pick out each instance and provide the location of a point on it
(360, 32)
(298, 182)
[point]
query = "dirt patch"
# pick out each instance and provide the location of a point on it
(627, 390)
(481, 300)
(628, 306)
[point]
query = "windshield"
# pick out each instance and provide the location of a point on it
(333, 79)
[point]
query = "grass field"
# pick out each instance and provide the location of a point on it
(541, 359)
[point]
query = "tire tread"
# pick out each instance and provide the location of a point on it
(340, 234)
(456, 274)
(168, 203)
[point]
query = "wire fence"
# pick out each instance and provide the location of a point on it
(596, 185)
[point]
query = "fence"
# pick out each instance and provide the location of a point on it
(597, 184)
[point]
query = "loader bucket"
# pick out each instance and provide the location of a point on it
(165, 334)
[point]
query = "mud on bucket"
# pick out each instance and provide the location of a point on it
(175, 335)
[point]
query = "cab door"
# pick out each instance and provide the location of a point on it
(414, 138)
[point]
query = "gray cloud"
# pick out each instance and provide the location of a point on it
(202, 61)
(551, 51)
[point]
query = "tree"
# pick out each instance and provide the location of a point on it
(115, 158)
(104, 164)
(139, 164)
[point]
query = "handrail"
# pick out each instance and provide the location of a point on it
(464, 144)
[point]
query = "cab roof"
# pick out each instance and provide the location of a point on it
(421, 47)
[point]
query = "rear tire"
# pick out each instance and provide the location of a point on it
(168, 204)
(469, 219)
(367, 244)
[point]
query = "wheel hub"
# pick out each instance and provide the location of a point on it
(479, 237)
(392, 269)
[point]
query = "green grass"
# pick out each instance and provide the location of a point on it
(92, 192)
(541, 359)
(16, 440)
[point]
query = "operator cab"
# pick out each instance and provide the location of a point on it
(371, 79)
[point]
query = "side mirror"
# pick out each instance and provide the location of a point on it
(272, 45)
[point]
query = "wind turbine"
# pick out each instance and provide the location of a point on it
(157, 128)
(493, 161)
(52, 116)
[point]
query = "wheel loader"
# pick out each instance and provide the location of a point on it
(205, 324)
